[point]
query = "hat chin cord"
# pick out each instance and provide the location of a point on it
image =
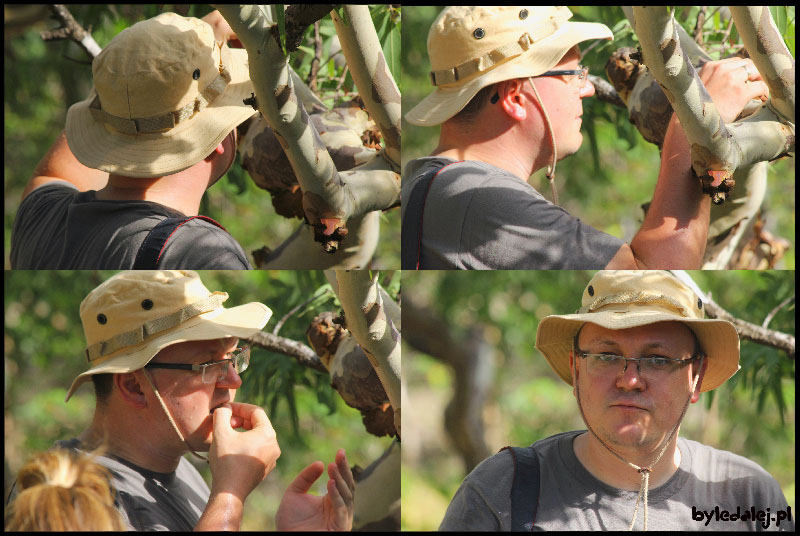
(551, 170)
(644, 471)
(169, 416)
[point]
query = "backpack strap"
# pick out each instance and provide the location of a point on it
(156, 240)
(524, 488)
(411, 235)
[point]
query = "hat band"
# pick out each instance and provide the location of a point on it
(154, 327)
(637, 298)
(491, 59)
(157, 123)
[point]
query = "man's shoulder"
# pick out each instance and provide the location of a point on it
(201, 244)
(722, 465)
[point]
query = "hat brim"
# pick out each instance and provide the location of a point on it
(718, 338)
(447, 100)
(242, 322)
(157, 154)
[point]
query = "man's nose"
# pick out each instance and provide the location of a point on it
(587, 90)
(231, 380)
(630, 378)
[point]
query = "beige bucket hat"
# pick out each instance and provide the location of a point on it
(628, 298)
(471, 47)
(130, 317)
(165, 95)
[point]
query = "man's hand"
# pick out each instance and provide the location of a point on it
(222, 30)
(732, 83)
(239, 461)
(334, 511)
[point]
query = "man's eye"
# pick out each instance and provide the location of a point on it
(660, 361)
(607, 358)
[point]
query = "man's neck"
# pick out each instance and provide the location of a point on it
(128, 443)
(609, 469)
(181, 191)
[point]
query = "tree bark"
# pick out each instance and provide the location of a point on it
(471, 360)
(717, 149)
(329, 197)
(367, 319)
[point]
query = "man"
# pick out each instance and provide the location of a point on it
(508, 91)
(163, 356)
(638, 352)
(157, 130)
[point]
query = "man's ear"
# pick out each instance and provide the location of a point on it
(696, 394)
(130, 390)
(510, 92)
(219, 149)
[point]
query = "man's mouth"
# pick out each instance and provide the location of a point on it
(227, 403)
(628, 405)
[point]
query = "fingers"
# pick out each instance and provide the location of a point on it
(344, 469)
(252, 415)
(343, 491)
(303, 482)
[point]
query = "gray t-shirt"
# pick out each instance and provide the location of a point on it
(58, 227)
(570, 498)
(154, 501)
(478, 216)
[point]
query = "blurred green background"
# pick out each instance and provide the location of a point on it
(614, 172)
(44, 342)
(43, 79)
(752, 414)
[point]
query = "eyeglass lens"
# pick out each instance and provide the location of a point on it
(216, 372)
(611, 365)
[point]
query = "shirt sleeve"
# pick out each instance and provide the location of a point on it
(200, 245)
(528, 232)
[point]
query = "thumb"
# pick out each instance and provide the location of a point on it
(303, 482)
(222, 421)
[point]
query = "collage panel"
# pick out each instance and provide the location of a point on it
(284, 422)
(487, 365)
(539, 137)
(125, 155)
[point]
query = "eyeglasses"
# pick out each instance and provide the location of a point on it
(213, 371)
(653, 367)
(582, 72)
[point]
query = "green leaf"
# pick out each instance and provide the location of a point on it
(280, 14)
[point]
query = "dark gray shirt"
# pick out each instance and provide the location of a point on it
(58, 227)
(478, 216)
(154, 501)
(570, 498)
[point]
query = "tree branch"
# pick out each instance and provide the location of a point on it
(366, 318)
(299, 17)
(281, 345)
(605, 91)
(746, 330)
(768, 51)
(717, 149)
(471, 360)
(70, 29)
(372, 77)
(328, 202)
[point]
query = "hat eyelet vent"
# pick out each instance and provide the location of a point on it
(523, 14)
(196, 74)
(590, 290)
(147, 304)
(699, 303)
(101, 318)
(479, 33)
